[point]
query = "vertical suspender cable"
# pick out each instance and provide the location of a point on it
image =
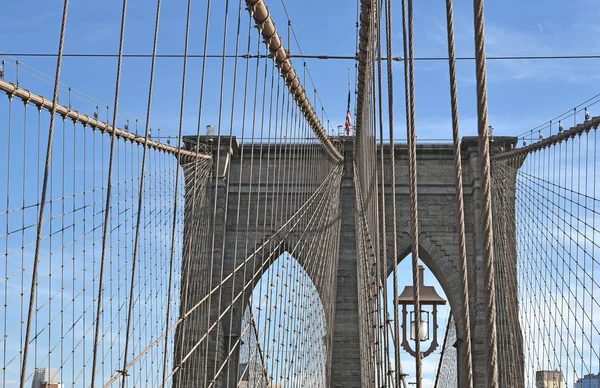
(136, 247)
(468, 364)
(390, 79)
(414, 211)
(210, 325)
(238, 221)
(226, 177)
(40, 223)
(108, 198)
(383, 267)
(484, 154)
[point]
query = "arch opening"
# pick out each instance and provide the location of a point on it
(283, 330)
(445, 324)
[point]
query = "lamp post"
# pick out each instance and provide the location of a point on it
(210, 134)
(428, 298)
(210, 130)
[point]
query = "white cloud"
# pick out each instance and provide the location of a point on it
(547, 39)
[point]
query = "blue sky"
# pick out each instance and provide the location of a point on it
(522, 94)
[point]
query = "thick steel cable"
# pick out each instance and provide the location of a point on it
(378, 308)
(99, 309)
(532, 221)
(486, 194)
(142, 353)
(414, 211)
(58, 251)
(506, 250)
(367, 205)
(275, 219)
(368, 251)
(553, 201)
(198, 232)
(217, 177)
(259, 11)
(594, 122)
(322, 57)
(227, 178)
(239, 192)
(289, 55)
(250, 179)
(381, 310)
(140, 199)
(510, 351)
(363, 51)
(268, 207)
(254, 253)
(196, 189)
(292, 343)
(266, 263)
(388, 34)
(85, 120)
(40, 223)
(382, 223)
(219, 286)
(200, 246)
(462, 248)
(291, 297)
(177, 177)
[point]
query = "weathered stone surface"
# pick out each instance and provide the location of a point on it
(438, 250)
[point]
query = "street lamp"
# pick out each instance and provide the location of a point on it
(210, 130)
(428, 297)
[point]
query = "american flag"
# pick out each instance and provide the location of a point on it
(348, 117)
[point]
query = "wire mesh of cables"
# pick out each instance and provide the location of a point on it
(372, 221)
(550, 190)
(557, 123)
(279, 242)
(276, 349)
(374, 335)
(447, 372)
(275, 195)
(130, 262)
(69, 262)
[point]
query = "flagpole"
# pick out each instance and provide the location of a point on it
(348, 79)
(349, 99)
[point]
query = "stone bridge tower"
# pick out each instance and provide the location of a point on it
(438, 250)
